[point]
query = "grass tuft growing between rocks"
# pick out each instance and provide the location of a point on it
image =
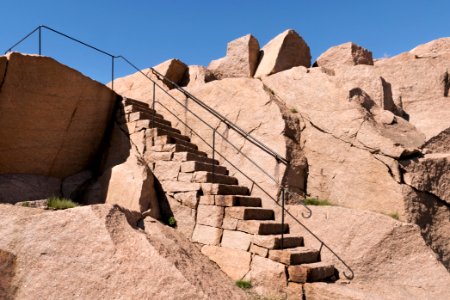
(172, 222)
(60, 203)
(394, 215)
(294, 111)
(26, 204)
(317, 202)
(244, 284)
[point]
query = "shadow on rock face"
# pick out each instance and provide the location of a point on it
(7, 271)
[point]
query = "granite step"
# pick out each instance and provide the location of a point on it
(168, 132)
(224, 189)
(262, 227)
(204, 176)
(274, 241)
(188, 156)
(295, 256)
(249, 213)
(166, 139)
(230, 200)
(313, 272)
(195, 166)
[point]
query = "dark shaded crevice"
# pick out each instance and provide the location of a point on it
(432, 215)
(445, 83)
(298, 165)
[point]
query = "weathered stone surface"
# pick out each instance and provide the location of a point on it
(424, 100)
(130, 185)
(210, 215)
(185, 217)
(7, 269)
(108, 259)
(189, 199)
(179, 186)
(21, 187)
(297, 274)
(241, 59)
(236, 240)
(235, 263)
(439, 143)
(429, 174)
(432, 49)
(172, 69)
(255, 249)
(197, 75)
(267, 277)
(387, 256)
(167, 170)
(285, 51)
(345, 54)
(207, 235)
(320, 290)
(230, 223)
(53, 117)
(354, 134)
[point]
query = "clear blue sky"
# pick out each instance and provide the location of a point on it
(149, 32)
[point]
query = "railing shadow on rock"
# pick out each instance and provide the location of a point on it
(230, 125)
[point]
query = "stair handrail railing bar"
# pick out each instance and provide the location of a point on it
(223, 119)
(322, 243)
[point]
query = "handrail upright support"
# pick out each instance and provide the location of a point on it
(282, 218)
(112, 72)
(213, 154)
(40, 40)
(153, 105)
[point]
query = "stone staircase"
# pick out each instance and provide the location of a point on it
(223, 212)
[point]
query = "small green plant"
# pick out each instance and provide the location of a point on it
(317, 202)
(294, 111)
(26, 204)
(394, 215)
(244, 284)
(172, 221)
(60, 203)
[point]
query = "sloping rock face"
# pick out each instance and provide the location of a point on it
(241, 59)
(345, 54)
(283, 52)
(389, 258)
(49, 125)
(93, 252)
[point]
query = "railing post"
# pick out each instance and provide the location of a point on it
(112, 72)
(213, 154)
(282, 218)
(40, 40)
(153, 105)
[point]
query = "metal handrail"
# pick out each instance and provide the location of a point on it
(223, 119)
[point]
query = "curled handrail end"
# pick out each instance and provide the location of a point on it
(351, 276)
(307, 216)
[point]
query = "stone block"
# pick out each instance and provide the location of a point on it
(235, 263)
(236, 240)
(206, 235)
(210, 215)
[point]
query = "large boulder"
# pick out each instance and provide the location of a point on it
(430, 173)
(197, 75)
(53, 118)
(25, 187)
(346, 54)
(173, 70)
(131, 185)
(241, 59)
(93, 252)
(286, 50)
(389, 258)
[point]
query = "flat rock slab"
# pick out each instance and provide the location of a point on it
(235, 263)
